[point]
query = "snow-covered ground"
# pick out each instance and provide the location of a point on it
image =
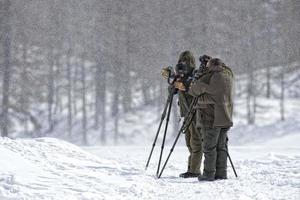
(48, 168)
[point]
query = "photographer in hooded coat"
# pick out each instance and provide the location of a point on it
(214, 116)
(185, 67)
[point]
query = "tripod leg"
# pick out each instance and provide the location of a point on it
(231, 164)
(158, 130)
(165, 133)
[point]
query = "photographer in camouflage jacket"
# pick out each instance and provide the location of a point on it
(214, 116)
(185, 70)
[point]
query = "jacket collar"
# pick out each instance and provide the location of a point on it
(215, 69)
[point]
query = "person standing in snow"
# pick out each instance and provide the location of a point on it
(192, 135)
(214, 116)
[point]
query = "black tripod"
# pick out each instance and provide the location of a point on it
(231, 163)
(167, 110)
(186, 123)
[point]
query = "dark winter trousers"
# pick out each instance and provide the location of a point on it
(194, 144)
(215, 151)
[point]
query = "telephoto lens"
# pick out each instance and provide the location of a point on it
(181, 69)
(204, 60)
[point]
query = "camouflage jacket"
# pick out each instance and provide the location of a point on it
(215, 105)
(184, 101)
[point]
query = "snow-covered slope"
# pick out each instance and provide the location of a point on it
(52, 169)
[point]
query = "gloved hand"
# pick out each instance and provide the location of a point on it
(179, 85)
(165, 72)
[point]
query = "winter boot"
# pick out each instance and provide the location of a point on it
(206, 178)
(221, 173)
(220, 177)
(189, 175)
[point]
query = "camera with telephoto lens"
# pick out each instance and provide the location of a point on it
(204, 60)
(179, 72)
(202, 68)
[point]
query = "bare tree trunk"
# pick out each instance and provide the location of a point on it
(24, 102)
(116, 124)
(103, 122)
(268, 76)
(115, 112)
(126, 89)
(127, 93)
(145, 91)
(250, 94)
(6, 70)
(254, 105)
(249, 54)
(282, 99)
(100, 101)
(97, 95)
(69, 88)
(50, 98)
(58, 102)
(74, 102)
(83, 97)
(269, 52)
(103, 108)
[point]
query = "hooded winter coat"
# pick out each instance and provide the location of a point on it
(185, 99)
(215, 104)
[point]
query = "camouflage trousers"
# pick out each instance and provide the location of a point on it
(193, 141)
(215, 151)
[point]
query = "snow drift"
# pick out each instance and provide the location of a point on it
(51, 169)
(48, 168)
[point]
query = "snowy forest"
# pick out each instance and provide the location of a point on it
(89, 71)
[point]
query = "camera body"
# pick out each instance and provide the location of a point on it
(179, 72)
(204, 60)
